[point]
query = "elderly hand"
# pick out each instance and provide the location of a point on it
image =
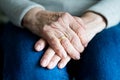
(94, 24)
(59, 29)
(50, 59)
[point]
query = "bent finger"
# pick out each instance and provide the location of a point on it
(72, 52)
(64, 62)
(47, 57)
(56, 46)
(71, 35)
(80, 29)
(53, 62)
(40, 44)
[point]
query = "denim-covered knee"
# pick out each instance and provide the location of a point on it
(19, 56)
(21, 62)
(100, 61)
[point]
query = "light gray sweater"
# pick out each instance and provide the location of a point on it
(16, 9)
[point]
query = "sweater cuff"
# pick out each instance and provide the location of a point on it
(24, 9)
(24, 12)
(109, 10)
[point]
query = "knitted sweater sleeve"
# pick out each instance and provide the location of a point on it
(16, 9)
(110, 9)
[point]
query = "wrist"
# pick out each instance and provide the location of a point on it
(30, 17)
(94, 21)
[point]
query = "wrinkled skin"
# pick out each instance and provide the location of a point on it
(51, 26)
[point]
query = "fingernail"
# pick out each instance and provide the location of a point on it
(38, 48)
(44, 63)
(50, 65)
(78, 57)
(61, 66)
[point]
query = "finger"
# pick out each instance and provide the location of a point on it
(47, 57)
(40, 45)
(66, 43)
(53, 62)
(55, 44)
(64, 62)
(80, 29)
(72, 36)
(70, 49)
(64, 20)
(75, 41)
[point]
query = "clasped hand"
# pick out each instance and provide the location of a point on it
(65, 34)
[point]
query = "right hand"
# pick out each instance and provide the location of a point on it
(52, 26)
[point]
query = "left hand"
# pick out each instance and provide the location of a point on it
(94, 24)
(50, 59)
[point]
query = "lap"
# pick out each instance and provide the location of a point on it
(100, 60)
(21, 62)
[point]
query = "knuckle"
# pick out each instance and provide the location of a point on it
(46, 28)
(73, 39)
(64, 41)
(58, 51)
(80, 30)
(80, 19)
(53, 41)
(66, 14)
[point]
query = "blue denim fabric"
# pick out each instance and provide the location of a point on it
(99, 61)
(21, 62)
